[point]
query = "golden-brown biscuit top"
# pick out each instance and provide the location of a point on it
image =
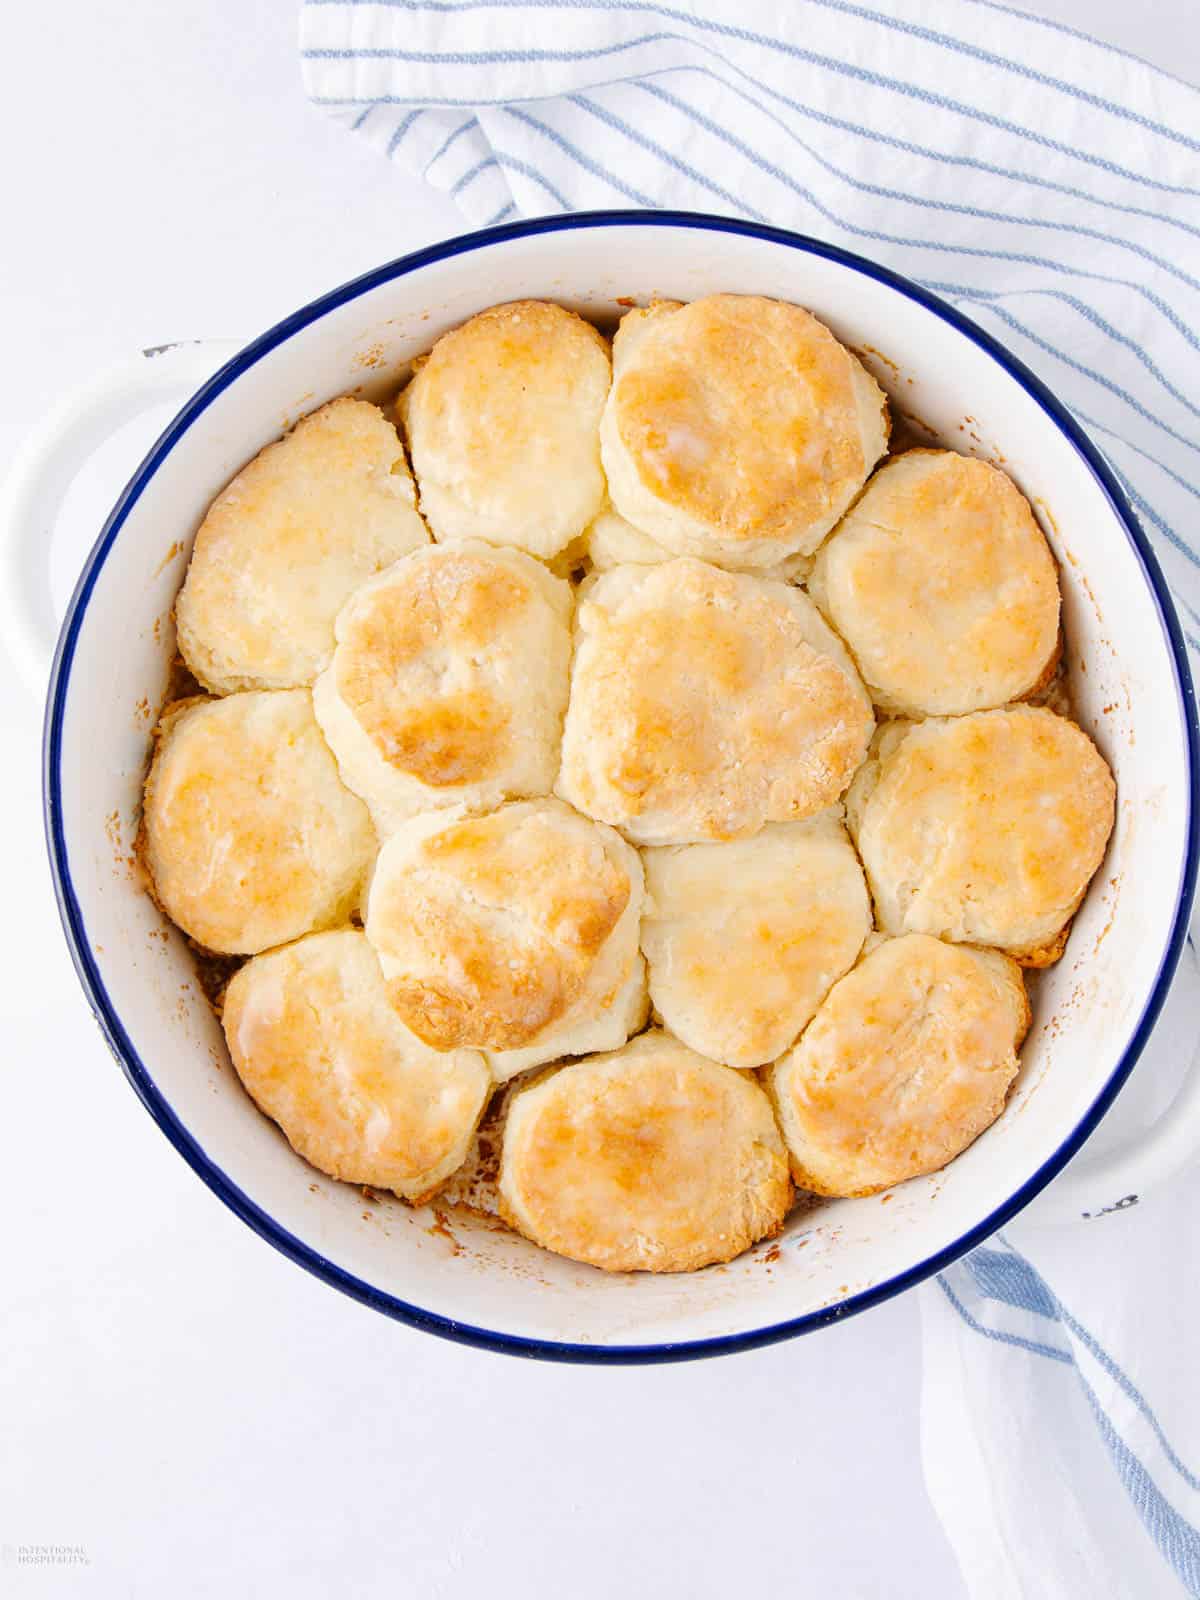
(706, 703)
(449, 681)
(487, 928)
(984, 829)
(503, 423)
(280, 549)
(906, 1062)
(651, 1158)
(742, 415)
(744, 938)
(322, 1052)
(943, 586)
(251, 839)
(454, 738)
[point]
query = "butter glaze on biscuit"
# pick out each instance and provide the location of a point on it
(650, 1159)
(503, 423)
(705, 704)
(943, 586)
(985, 829)
(449, 682)
(325, 1056)
(907, 1061)
(515, 933)
(250, 837)
(744, 939)
(322, 1053)
(738, 429)
(283, 546)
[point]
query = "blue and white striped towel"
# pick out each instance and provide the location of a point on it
(1050, 186)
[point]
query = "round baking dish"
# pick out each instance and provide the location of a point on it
(1092, 1013)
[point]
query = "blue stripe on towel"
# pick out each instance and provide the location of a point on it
(1000, 1275)
(451, 140)
(766, 41)
(811, 113)
(1007, 1278)
(1178, 1541)
(664, 155)
(1035, 1346)
(402, 128)
(582, 161)
(914, 30)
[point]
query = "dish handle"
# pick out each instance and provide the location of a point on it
(1097, 1186)
(44, 467)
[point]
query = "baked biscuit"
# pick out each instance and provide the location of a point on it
(705, 704)
(906, 1062)
(613, 542)
(985, 829)
(744, 939)
(449, 682)
(943, 586)
(514, 933)
(738, 429)
(650, 1159)
(502, 420)
(248, 834)
(323, 1054)
(282, 547)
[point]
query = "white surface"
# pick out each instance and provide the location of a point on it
(175, 1396)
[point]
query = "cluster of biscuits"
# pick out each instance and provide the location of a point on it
(571, 727)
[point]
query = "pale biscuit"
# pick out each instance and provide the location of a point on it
(449, 682)
(705, 704)
(514, 933)
(738, 429)
(943, 586)
(611, 541)
(651, 1159)
(744, 939)
(249, 835)
(985, 829)
(907, 1061)
(323, 1054)
(503, 423)
(282, 547)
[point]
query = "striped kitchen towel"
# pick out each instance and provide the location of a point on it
(1046, 184)
(1060, 1411)
(1050, 187)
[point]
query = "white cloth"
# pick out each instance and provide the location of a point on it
(1060, 1408)
(1050, 187)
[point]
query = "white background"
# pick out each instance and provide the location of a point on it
(175, 1397)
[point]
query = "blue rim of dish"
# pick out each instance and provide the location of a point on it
(140, 1078)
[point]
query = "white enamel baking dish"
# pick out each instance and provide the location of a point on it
(1129, 678)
